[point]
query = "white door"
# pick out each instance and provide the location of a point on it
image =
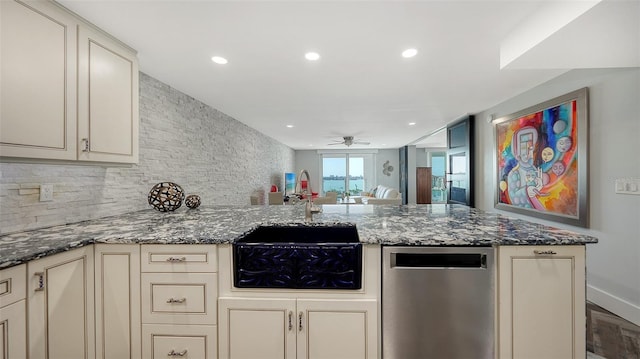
(542, 302)
(257, 328)
(337, 329)
(61, 305)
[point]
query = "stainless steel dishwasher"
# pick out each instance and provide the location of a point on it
(438, 302)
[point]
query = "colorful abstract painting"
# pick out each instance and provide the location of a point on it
(539, 160)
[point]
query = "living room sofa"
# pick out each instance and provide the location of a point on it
(382, 195)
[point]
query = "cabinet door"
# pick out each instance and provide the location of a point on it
(38, 81)
(333, 329)
(13, 316)
(107, 99)
(257, 328)
(542, 302)
(117, 274)
(13, 331)
(61, 305)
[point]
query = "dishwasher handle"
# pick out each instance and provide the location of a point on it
(438, 260)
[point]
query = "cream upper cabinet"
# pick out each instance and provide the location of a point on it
(297, 328)
(38, 81)
(541, 293)
(61, 305)
(69, 91)
(13, 315)
(107, 99)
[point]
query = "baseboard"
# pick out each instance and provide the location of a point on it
(618, 306)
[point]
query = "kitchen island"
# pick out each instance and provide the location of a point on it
(420, 225)
(150, 284)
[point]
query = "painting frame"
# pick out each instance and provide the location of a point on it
(541, 160)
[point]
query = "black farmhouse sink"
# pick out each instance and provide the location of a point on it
(299, 257)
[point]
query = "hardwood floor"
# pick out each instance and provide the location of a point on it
(609, 336)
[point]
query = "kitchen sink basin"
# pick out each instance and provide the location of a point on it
(299, 257)
(301, 234)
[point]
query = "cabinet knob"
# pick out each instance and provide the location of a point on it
(290, 320)
(544, 253)
(176, 301)
(174, 353)
(176, 259)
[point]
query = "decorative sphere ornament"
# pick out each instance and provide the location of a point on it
(192, 201)
(166, 196)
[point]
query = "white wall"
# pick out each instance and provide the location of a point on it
(613, 265)
(310, 160)
(181, 140)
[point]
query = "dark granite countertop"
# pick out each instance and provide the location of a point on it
(415, 225)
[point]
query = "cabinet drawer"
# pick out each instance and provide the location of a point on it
(179, 341)
(179, 258)
(179, 298)
(13, 284)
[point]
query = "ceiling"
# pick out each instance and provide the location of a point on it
(472, 55)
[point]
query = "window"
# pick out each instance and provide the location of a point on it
(351, 173)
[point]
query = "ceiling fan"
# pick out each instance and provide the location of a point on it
(348, 141)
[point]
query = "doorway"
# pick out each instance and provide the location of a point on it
(460, 171)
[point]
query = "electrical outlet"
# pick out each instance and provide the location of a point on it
(46, 192)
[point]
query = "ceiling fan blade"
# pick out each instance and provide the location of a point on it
(335, 143)
(361, 143)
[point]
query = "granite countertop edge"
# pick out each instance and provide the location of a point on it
(413, 225)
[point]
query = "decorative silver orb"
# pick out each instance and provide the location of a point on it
(166, 196)
(192, 201)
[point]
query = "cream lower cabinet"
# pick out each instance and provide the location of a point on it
(297, 328)
(179, 291)
(13, 312)
(61, 305)
(541, 302)
(117, 294)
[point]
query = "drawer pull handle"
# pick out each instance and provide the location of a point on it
(40, 276)
(290, 320)
(176, 259)
(544, 253)
(176, 301)
(174, 353)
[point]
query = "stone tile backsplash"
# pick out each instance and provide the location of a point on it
(181, 140)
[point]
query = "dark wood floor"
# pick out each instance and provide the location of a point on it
(610, 336)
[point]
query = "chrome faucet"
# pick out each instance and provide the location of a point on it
(309, 209)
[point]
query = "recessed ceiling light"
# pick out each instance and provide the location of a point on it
(409, 53)
(412, 123)
(219, 60)
(312, 56)
(289, 126)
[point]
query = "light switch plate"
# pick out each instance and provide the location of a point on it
(628, 186)
(46, 192)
